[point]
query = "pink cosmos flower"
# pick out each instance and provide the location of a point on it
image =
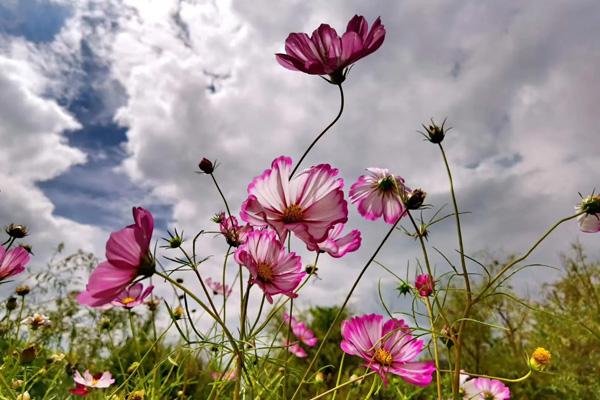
(98, 381)
(79, 390)
(337, 246)
(326, 53)
(217, 287)
(301, 331)
(223, 376)
(12, 262)
(386, 348)
(379, 193)
(132, 296)
(273, 269)
(309, 204)
(424, 284)
(234, 234)
(128, 256)
(590, 221)
(296, 350)
(485, 389)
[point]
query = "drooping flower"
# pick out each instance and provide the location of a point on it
(98, 381)
(271, 267)
(386, 348)
(326, 53)
(485, 389)
(234, 234)
(132, 296)
(12, 262)
(424, 284)
(218, 287)
(309, 204)
(335, 244)
(589, 221)
(379, 193)
(296, 350)
(37, 321)
(128, 256)
(301, 330)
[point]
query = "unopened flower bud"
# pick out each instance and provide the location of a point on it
(403, 288)
(17, 383)
(424, 285)
(435, 133)
(540, 359)
(137, 395)
(133, 367)
(319, 377)
(206, 166)
(105, 323)
(415, 199)
(24, 396)
(16, 231)
(178, 312)
(11, 303)
(311, 269)
(22, 290)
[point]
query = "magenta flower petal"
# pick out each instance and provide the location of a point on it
(379, 193)
(336, 245)
(12, 262)
(296, 350)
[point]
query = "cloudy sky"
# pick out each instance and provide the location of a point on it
(109, 104)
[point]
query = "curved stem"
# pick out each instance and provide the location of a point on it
(342, 307)
(337, 117)
(509, 380)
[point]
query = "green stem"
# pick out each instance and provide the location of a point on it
(320, 135)
(349, 382)
(436, 357)
(339, 376)
(368, 396)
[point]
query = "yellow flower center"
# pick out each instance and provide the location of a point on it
(94, 381)
(292, 214)
(128, 300)
(542, 356)
(265, 272)
(488, 396)
(383, 357)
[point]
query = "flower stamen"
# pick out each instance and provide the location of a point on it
(383, 357)
(292, 214)
(265, 272)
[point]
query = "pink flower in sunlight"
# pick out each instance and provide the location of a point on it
(12, 262)
(235, 235)
(98, 381)
(326, 53)
(301, 331)
(128, 256)
(485, 389)
(79, 390)
(589, 222)
(223, 376)
(379, 193)
(132, 296)
(386, 348)
(424, 284)
(335, 244)
(296, 350)
(217, 287)
(271, 267)
(309, 204)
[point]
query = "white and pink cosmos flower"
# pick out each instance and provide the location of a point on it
(309, 204)
(386, 348)
(271, 267)
(218, 287)
(301, 330)
(379, 193)
(98, 381)
(589, 221)
(485, 389)
(128, 256)
(12, 262)
(234, 233)
(132, 296)
(296, 350)
(337, 245)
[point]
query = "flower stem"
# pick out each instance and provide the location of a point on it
(436, 357)
(342, 307)
(337, 117)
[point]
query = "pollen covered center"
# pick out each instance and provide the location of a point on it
(265, 272)
(127, 300)
(292, 214)
(383, 357)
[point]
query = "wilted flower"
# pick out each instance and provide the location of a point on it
(485, 389)
(379, 193)
(271, 267)
(206, 166)
(218, 287)
(413, 199)
(16, 231)
(128, 256)
(12, 262)
(28, 354)
(589, 222)
(326, 53)
(22, 290)
(424, 284)
(540, 359)
(335, 244)
(235, 235)
(99, 381)
(37, 321)
(309, 204)
(132, 296)
(386, 348)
